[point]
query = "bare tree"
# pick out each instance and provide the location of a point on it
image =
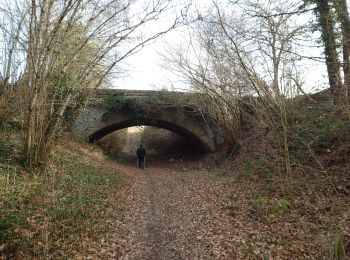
(13, 20)
(250, 62)
(72, 46)
(274, 37)
(211, 80)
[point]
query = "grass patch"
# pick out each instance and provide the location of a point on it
(8, 221)
(266, 207)
(335, 246)
(259, 167)
(11, 143)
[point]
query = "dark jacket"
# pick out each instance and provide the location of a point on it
(141, 152)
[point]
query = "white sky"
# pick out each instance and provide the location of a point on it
(144, 70)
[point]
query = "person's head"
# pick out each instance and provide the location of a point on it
(141, 145)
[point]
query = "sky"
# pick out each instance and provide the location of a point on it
(144, 69)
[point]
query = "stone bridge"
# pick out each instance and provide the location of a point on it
(112, 110)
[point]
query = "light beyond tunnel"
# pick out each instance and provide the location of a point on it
(160, 144)
(194, 140)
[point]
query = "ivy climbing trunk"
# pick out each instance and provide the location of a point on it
(344, 20)
(326, 24)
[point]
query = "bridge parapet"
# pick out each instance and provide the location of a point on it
(127, 92)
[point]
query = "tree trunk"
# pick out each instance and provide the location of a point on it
(328, 36)
(343, 17)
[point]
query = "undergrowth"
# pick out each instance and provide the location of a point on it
(266, 207)
(119, 100)
(322, 130)
(45, 215)
(318, 190)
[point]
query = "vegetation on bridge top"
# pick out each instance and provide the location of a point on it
(146, 100)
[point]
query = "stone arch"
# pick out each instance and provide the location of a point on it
(190, 137)
(95, 122)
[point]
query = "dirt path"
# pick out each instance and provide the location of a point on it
(167, 214)
(187, 214)
(175, 215)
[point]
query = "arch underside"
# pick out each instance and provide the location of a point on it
(190, 137)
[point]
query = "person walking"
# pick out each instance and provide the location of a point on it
(141, 154)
